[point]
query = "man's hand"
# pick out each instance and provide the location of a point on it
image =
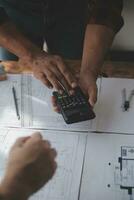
(30, 165)
(48, 68)
(87, 81)
(51, 69)
(97, 41)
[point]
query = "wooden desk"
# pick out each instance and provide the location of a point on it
(110, 69)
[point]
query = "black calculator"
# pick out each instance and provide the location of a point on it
(74, 108)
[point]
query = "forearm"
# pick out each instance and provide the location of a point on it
(15, 42)
(12, 189)
(6, 196)
(98, 39)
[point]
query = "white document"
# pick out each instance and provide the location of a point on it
(110, 115)
(35, 107)
(70, 147)
(8, 115)
(39, 112)
(109, 165)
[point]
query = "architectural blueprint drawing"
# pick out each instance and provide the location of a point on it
(109, 167)
(70, 147)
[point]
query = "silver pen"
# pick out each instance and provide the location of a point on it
(126, 102)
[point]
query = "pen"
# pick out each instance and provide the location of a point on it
(15, 102)
(124, 100)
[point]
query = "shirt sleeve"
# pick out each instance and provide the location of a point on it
(106, 12)
(3, 16)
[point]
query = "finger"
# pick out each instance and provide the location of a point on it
(55, 165)
(36, 136)
(35, 141)
(53, 168)
(44, 80)
(92, 96)
(67, 87)
(46, 144)
(53, 153)
(64, 86)
(66, 73)
(53, 80)
(54, 104)
(20, 141)
(61, 80)
(56, 109)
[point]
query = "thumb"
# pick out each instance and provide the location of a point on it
(36, 138)
(20, 141)
(92, 93)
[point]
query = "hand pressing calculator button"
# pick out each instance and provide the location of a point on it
(74, 108)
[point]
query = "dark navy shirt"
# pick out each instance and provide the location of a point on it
(105, 12)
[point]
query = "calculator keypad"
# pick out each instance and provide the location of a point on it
(74, 108)
(67, 101)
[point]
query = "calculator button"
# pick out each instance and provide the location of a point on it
(69, 101)
(59, 97)
(66, 101)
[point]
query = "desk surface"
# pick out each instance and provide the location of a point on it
(80, 146)
(110, 69)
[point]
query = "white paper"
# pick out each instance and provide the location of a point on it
(8, 115)
(110, 116)
(39, 112)
(102, 175)
(35, 107)
(70, 147)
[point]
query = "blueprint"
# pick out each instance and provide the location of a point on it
(70, 148)
(109, 167)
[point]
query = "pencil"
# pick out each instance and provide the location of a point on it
(15, 103)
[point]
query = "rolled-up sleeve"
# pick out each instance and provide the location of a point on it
(3, 16)
(106, 12)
